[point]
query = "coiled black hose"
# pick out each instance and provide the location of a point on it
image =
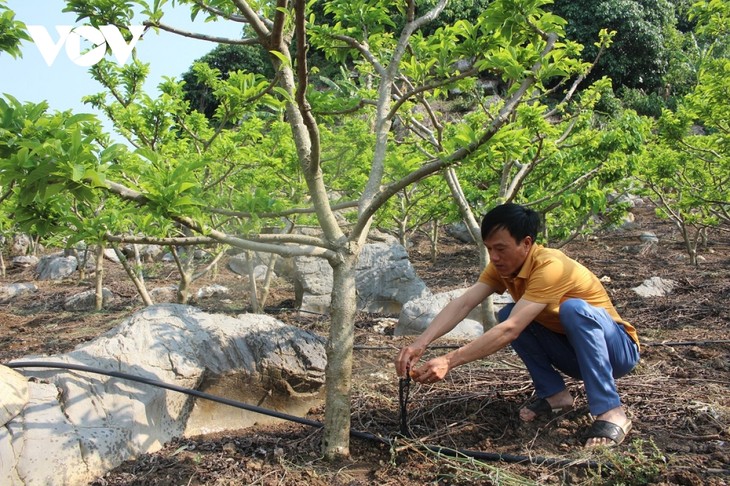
(448, 451)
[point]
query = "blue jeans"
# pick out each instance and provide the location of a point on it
(594, 349)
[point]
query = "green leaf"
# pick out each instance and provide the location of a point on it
(78, 172)
(286, 62)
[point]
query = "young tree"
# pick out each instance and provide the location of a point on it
(687, 168)
(187, 166)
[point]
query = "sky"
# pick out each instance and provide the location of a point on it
(64, 83)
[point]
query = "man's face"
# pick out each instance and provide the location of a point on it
(506, 254)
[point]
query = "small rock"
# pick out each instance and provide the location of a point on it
(385, 325)
(24, 261)
(164, 294)
(655, 287)
(87, 300)
(212, 291)
(255, 465)
(12, 291)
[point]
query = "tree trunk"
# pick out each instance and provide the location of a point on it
(489, 318)
(138, 263)
(138, 282)
(99, 277)
(252, 290)
(689, 243)
(267, 280)
(434, 240)
(335, 443)
(183, 288)
(403, 231)
(81, 262)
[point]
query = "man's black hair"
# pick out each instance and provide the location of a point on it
(518, 220)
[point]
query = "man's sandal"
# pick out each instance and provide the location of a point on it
(602, 429)
(542, 408)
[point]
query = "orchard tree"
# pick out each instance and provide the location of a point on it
(558, 155)
(687, 168)
(262, 154)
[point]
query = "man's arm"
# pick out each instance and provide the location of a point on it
(446, 320)
(523, 313)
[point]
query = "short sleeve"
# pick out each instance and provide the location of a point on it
(549, 281)
(491, 277)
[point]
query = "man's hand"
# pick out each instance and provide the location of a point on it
(454, 312)
(432, 371)
(407, 358)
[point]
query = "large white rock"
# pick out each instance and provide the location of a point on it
(417, 314)
(13, 394)
(12, 291)
(55, 267)
(312, 284)
(78, 425)
(384, 277)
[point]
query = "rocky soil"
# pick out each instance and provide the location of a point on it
(678, 397)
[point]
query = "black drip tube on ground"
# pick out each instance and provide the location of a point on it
(448, 451)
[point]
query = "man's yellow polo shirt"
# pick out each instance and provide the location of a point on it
(550, 277)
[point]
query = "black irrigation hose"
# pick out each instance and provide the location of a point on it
(161, 384)
(404, 391)
(487, 456)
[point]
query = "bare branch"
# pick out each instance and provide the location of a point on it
(290, 238)
(201, 273)
(428, 87)
(579, 181)
(277, 30)
(457, 156)
(150, 240)
(221, 237)
(279, 214)
(204, 37)
(347, 111)
(427, 17)
(255, 21)
(524, 171)
(221, 13)
(364, 50)
(8, 193)
(287, 251)
(569, 94)
(303, 82)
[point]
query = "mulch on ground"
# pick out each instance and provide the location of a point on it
(677, 397)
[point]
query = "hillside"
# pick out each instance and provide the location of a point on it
(677, 397)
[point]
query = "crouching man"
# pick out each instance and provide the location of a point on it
(562, 322)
